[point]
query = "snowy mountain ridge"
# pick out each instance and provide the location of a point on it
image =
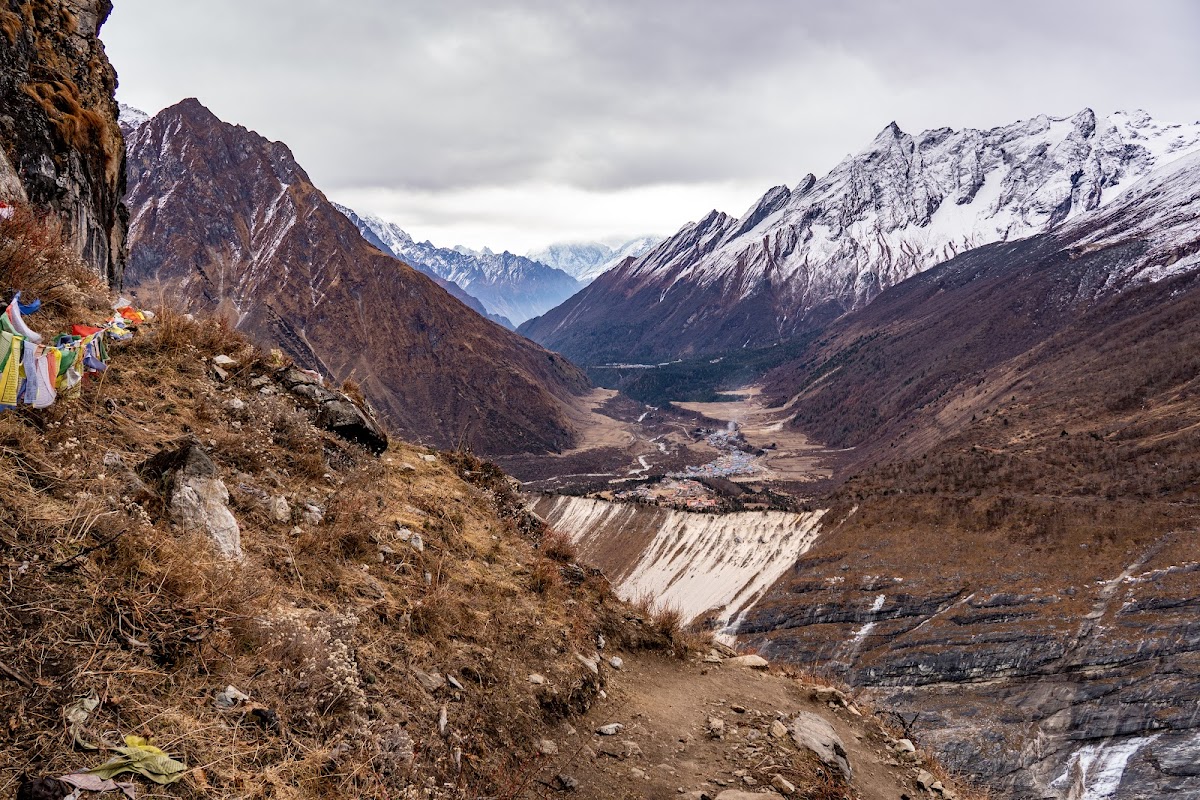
(507, 285)
(815, 250)
(587, 260)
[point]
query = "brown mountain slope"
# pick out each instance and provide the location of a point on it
(222, 219)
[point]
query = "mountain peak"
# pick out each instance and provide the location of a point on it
(890, 133)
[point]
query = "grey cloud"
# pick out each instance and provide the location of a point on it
(616, 93)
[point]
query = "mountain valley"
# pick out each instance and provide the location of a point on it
(887, 489)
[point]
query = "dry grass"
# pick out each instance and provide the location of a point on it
(34, 261)
(324, 623)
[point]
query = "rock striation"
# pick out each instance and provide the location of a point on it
(60, 145)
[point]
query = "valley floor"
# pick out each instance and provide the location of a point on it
(622, 441)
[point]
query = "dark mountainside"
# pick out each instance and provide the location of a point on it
(222, 220)
(60, 147)
(1013, 567)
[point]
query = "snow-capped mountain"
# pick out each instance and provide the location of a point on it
(803, 255)
(586, 260)
(507, 285)
(467, 299)
(130, 119)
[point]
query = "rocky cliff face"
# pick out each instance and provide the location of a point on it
(805, 254)
(61, 146)
(222, 219)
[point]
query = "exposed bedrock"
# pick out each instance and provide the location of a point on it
(1076, 689)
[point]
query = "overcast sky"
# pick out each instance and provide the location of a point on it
(515, 124)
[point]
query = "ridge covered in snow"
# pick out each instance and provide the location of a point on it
(587, 260)
(509, 286)
(809, 252)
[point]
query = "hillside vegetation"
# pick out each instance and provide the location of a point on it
(365, 584)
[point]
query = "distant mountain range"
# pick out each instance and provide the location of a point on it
(588, 260)
(223, 220)
(802, 256)
(508, 286)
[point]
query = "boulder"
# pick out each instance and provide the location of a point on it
(750, 661)
(611, 729)
(336, 412)
(349, 421)
(814, 733)
(196, 498)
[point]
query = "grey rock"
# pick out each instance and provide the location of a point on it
(547, 747)
(230, 697)
(592, 662)
(430, 681)
(313, 513)
(611, 729)
(750, 662)
(925, 780)
(347, 420)
(224, 361)
(781, 783)
(814, 733)
(565, 783)
(279, 509)
(536, 679)
(197, 499)
(615, 662)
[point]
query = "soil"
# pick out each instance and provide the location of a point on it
(665, 705)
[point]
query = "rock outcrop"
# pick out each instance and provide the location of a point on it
(195, 497)
(60, 145)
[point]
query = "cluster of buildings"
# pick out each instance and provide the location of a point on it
(684, 494)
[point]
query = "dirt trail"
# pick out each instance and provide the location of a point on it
(667, 750)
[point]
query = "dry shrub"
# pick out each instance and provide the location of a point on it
(315, 654)
(82, 128)
(557, 546)
(545, 578)
(10, 24)
(35, 259)
(181, 334)
(351, 389)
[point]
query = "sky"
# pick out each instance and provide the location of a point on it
(512, 125)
